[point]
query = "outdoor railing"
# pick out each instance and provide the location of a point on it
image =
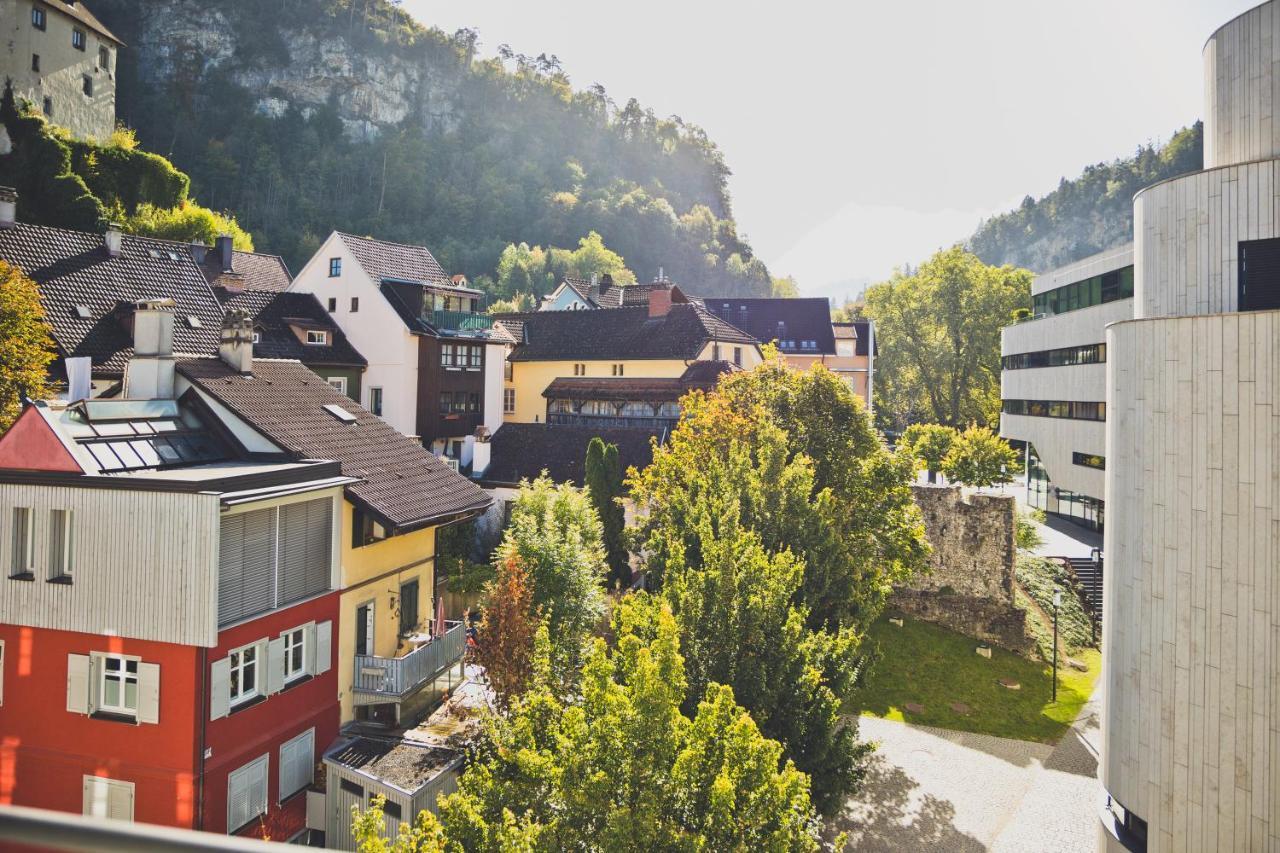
(459, 321)
(610, 421)
(398, 677)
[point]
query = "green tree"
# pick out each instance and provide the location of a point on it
(592, 257)
(556, 536)
(26, 349)
(785, 288)
(621, 768)
(184, 223)
(929, 443)
(817, 480)
(603, 476)
(980, 458)
(938, 331)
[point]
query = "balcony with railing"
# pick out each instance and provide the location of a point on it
(379, 679)
(458, 321)
(610, 421)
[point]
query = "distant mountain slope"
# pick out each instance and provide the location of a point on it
(306, 115)
(1085, 215)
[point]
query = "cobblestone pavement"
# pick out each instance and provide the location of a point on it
(934, 789)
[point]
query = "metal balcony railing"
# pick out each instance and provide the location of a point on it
(458, 321)
(395, 678)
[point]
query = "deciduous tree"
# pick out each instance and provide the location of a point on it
(25, 346)
(980, 458)
(929, 443)
(505, 649)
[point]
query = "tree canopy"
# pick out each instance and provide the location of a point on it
(978, 457)
(603, 476)
(929, 443)
(938, 331)
(26, 349)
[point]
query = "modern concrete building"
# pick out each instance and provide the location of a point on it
(1191, 718)
(63, 60)
(1053, 382)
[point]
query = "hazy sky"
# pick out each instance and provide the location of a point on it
(864, 135)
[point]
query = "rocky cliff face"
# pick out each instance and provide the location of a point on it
(308, 67)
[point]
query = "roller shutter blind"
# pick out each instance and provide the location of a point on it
(246, 565)
(230, 568)
(305, 549)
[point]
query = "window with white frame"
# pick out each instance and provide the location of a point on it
(60, 542)
(508, 400)
(23, 541)
(118, 686)
(317, 337)
(475, 358)
(38, 18)
(297, 763)
(244, 673)
(375, 401)
(247, 793)
(339, 382)
(447, 357)
(295, 656)
(109, 798)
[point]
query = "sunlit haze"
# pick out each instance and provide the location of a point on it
(865, 135)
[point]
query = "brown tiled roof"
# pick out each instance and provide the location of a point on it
(78, 12)
(802, 320)
(383, 260)
(74, 271)
(621, 333)
(522, 451)
(403, 486)
(272, 313)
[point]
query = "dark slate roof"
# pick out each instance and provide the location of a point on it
(73, 270)
(249, 270)
(860, 330)
(622, 333)
(275, 313)
(403, 485)
(78, 12)
(383, 260)
(702, 375)
(522, 451)
(807, 319)
(580, 286)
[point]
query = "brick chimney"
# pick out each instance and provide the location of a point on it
(659, 302)
(235, 342)
(222, 247)
(149, 373)
(8, 207)
(111, 239)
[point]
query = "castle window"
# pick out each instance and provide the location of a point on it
(78, 38)
(38, 18)
(86, 83)
(47, 106)
(35, 63)
(104, 58)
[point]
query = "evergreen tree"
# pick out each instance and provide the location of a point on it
(604, 483)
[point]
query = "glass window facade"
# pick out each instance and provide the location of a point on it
(1043, 494)
(1089, 460)
(1073, 409)
(1097, 290)
(1064, 357)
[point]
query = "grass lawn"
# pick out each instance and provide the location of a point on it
(923, 664)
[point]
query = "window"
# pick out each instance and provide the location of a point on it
(317, 337)
(335, 267)
(38, 19)
(47, 106)
(247, 794)
(375, 401)
(60, 545)
(355, 304)
(579, 370)
(78, 38)
(508, 400)
(257, 337)
(244, 673)
(333, 304)
(350, 787)
(446, 402)
(366, 531)
(118, 689)
(1097, 290)
(448, 357)
(1071, 409)
(297, 763)
(1063, 357)
(408, 607)
(23, 540)
(35, 63)
(737, 356)
(338, 382)
(86, 84)
(1089, 460)
(364, 629)
(473, 402)
(475, 357)
(295, 657)
(391, 810)
(844, 349)
(109, 798)
(617, 369)
(104, 58)
(274, 556)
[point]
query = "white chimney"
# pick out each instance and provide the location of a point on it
(111, 239)
(235, 342)
(481, 452)
(8, 207)
(149, 374)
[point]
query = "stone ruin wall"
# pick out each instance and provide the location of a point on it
(970, 585)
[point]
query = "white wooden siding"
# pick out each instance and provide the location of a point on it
(145, 564)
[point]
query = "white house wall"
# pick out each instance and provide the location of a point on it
(144, 564)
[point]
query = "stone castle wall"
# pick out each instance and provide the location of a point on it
(969, 587)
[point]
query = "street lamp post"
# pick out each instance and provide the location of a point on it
(1057, 602)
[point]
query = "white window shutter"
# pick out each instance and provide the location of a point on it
(148, 692)
(79, 682)
(308, 650)
(120, 802)
(220, 689)
(110, 798)
(275, 665)
(324, 639)
(237, 800)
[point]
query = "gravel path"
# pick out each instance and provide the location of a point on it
(934, 789)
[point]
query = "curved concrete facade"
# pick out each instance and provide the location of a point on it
(1191, 718)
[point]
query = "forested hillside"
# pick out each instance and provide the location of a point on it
(1085, 215)
(301, 116)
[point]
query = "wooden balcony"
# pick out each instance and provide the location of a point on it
(392, 679)
(611, 422)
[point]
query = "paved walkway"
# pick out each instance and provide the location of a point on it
(934, 789)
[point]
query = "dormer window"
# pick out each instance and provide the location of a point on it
(257, 336)
(83, 312)
(78, 38)
(317, 337)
